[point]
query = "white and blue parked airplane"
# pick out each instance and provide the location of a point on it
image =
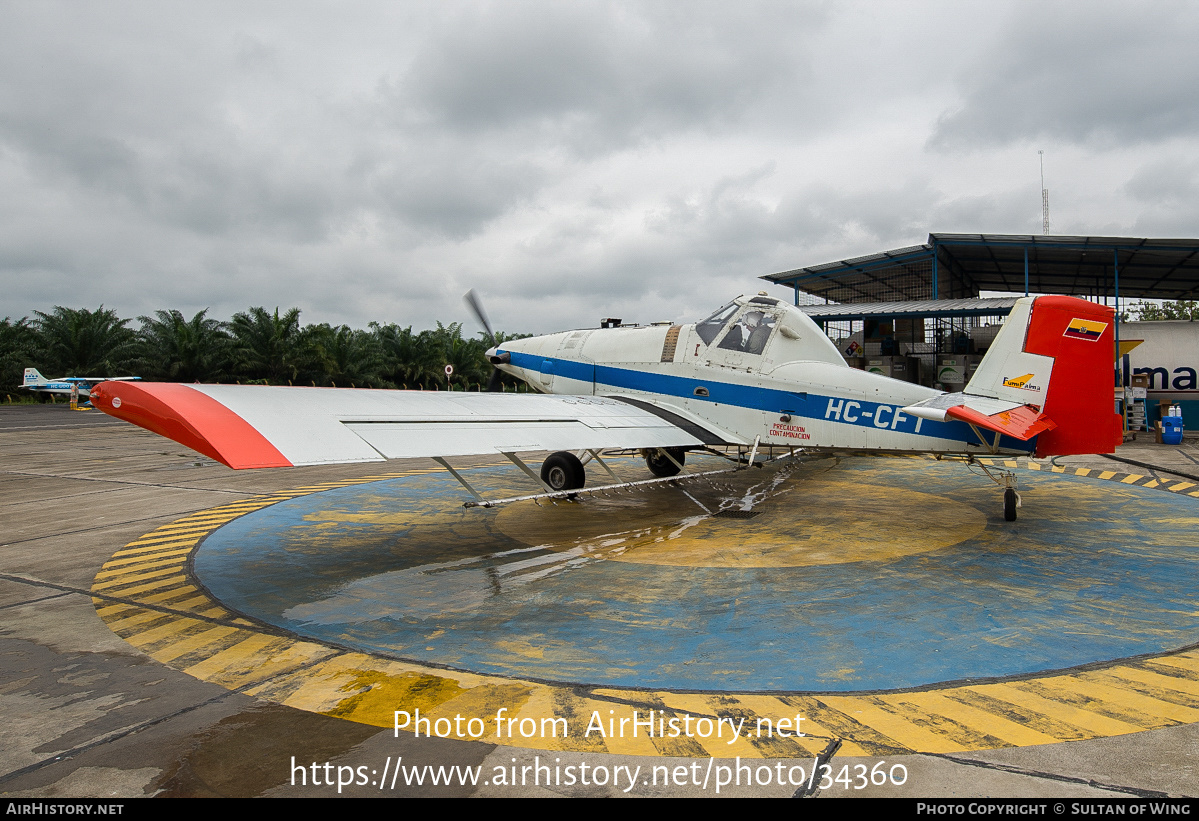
(34, 381)
(757, 374)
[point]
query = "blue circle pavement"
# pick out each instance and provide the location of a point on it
(1093, 571)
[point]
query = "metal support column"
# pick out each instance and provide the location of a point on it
(1026, 270)
(935, 290)
(1119, 359)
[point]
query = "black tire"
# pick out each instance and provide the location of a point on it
(660, 465)
(563, 471)
(1009, 505)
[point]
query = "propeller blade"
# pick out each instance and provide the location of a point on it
(476, 305)
(472, 299)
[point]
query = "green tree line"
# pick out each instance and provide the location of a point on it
(254, 347)
(1187, 309)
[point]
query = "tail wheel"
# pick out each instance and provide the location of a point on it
(660, 464)
(563, 471)
(1010, 502)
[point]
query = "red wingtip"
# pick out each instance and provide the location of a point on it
(190, 418)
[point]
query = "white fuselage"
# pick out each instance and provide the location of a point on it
(758, 369)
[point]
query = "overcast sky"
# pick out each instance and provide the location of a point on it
(570, 160)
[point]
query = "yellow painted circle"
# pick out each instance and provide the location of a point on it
(795, 523)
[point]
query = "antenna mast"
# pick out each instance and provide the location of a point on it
(1044, 198)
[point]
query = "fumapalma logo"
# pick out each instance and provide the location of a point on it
(1020, 382)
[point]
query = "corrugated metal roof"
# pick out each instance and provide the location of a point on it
(923, 307)
(968, 264)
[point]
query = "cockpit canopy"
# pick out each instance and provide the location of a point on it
(747, 332)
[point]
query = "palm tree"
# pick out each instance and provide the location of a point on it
(400, 353)
(268, 347)
(448, 347)
(179, 350)
(19, 349)
(345, 357)
(79, 342)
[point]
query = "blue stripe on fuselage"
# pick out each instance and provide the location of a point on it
(845, 411)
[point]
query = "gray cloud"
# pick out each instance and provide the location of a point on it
(372, 162)
(593, 77)
(1081, 72)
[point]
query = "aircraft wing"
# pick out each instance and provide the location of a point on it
(250, 426)
(998, 415)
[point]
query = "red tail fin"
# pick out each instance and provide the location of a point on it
(1080, 336)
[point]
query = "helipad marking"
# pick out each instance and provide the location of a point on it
(1125, 697)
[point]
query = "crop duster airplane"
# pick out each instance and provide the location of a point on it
(757, 374)
(34, 381)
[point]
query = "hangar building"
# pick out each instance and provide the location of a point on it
(919, 313)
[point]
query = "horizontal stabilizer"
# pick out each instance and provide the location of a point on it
(999, 415)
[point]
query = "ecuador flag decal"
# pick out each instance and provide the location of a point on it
(1087, 329)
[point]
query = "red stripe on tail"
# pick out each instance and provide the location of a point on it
(1080, 397)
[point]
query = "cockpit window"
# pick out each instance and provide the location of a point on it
(750, 334)
(709, 329)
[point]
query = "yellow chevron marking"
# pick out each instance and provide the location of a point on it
(1131, 706)
(174, 558)
(1107, 474)
(120, 626)
(908, 731)
(193, 643)
(1181, 486)
(1088, 724)
(195, 603)
(145, 543)
(1188, 662)
(150, 550)
(981, 723)
(259, 658)
(172, 597)
(1132, 478)
(156, 634)
(109, 585)
(1155, 685)
(165, 584)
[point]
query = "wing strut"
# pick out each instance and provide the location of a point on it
(595, 455)
(458, 476)
(516, 461)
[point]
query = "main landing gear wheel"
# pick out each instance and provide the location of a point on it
(1010, 502)
(563, 471)
(660, 464)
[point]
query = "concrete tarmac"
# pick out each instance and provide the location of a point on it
(88, 715)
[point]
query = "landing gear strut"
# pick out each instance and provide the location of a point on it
(1007, 480)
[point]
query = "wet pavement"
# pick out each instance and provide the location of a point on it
(90, 714)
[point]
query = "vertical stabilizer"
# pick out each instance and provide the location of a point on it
(1057, 354)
